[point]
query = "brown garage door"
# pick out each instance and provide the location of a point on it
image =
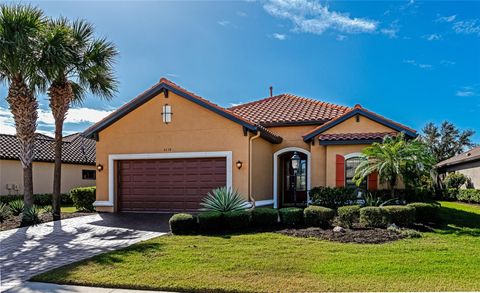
(168, 184)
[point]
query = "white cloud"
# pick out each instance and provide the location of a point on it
(425, 66)
(466, 91)
(416, 64)
(390, 32)
(432, 37)
(223, 22)
(313, 17)
(341, 37)
(447, 62)
(467, 27)
(278, 36)
(450, 18)
(242, 14)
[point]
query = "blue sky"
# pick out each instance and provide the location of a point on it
(410, 61)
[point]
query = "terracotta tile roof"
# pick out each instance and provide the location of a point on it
(471, 155)
(76, 149)
(355, 136)
(287, 108)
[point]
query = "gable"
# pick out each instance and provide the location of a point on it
(363, 125)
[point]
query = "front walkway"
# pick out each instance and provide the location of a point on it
(33, 287)
(28, 251)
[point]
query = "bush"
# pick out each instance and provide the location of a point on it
(450, 194)
(47, 209)
(38, 199)
(237, 220)
(332, 197)
(402, 216)
(182, 224)
(375, 217)
(455, 180)
(264, 217)
(16, 207)
(83, 198)
(223, 200)
(210, 221)
(348, 215)
(469, 195)
(291, 217)
(316, 216)
(4, 212)
(425, 212)
(30, 216)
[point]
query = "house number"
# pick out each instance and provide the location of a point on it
(167, 149)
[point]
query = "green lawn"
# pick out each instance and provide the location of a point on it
(68, 209)
(447, 259)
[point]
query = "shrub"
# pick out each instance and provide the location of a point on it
(83, 198)
(48, 209)
(469, 195)
(425, 212)
(210, 221)
(402, 216)
(317, 216)
(182, 224)
(332, 197)
(450, 194)
(30, 216)
(16, 207)
(237, 220)
(373, 217)
(348, 215)
(223, 199)
(264, 217)
(291, 216)
(455, 180)
(38, 199)
(4, 212)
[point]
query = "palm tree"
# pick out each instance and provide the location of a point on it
(20, 27)
(73, 63)
(393, 159)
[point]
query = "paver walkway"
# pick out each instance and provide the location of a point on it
(28, 251)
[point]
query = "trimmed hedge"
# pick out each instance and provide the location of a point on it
(83, 198)
(332, 197)
(469, 195)
(291, 217)
(348, 215)
(182, 224)
(264, 217)
(39, 199)
(237, 220)
(374, 217)
(210, 221)
(402, 216)
(317, 216)
(426, 212)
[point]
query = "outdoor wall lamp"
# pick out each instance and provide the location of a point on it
(239, 164)
(99, 167)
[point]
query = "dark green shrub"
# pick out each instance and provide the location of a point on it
(469, 195)
(291, 217)
(47, 209)
(450, 194)
(402, 216)
(375, 217)
(4, 212)
(426, 212)
(348, 215)
(210, 221)
(237, 220)
(332, 197)
(455, 180)
(264, 217)
(83, 198)
(30, 216)
(16, 207)
(182, 224)
(223, 200)
(38, 199)
(316, 216)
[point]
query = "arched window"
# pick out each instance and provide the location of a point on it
(351, 164)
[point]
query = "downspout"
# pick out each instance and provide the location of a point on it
(250, 169)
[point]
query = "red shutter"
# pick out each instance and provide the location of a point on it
(372, 181)
(340, 172)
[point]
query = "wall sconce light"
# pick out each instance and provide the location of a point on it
(239, 164)
(99, 167)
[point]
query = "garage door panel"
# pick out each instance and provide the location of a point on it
(168, 184)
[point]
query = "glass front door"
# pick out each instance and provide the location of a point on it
(294, 183)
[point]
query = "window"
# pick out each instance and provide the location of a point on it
(167, 113)
(89, 174)
(351, 165)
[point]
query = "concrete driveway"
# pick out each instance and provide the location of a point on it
(28, 251)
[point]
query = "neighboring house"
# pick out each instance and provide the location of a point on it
(168, 147)
(78, 164)
(467, 163)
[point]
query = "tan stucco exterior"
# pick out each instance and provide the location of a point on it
(11, 173)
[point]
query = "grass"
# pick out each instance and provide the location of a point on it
(447, 259)
(68, 209)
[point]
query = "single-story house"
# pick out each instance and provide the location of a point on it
(467, 163)
(168, 147)
(78, 164)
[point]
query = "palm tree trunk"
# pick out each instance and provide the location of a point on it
(61, 94)
(24, 106)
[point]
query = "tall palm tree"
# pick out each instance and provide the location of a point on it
(394, 158)
(20, 27)
(74, 62)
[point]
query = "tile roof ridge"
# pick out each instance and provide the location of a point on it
(257, 101)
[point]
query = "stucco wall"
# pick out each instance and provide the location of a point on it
(11, 172)
(363, 125)
(471, 170)
(292, 136)
(193, 129)
(262, 172)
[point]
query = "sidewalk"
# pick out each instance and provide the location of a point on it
(34, 287)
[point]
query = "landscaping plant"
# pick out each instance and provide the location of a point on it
(454, 180)
(426, 212)
(210, 222)
(31, 215)
(291, 217)
(316, 216)
(348, 215)
(403, 216)
(264, 217)
(374, 217)
(332, 197)
(16, 207)
(223, 199)
(182, 224)
(83, 198)
(237, 220)
(4, 212)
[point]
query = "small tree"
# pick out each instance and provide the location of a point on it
(455, 180)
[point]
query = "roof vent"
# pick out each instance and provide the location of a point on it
(271, 91)
(469, 154)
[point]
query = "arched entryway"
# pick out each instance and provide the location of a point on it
(291, 188)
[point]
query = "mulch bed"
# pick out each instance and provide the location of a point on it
(362, 236)
(14, 222)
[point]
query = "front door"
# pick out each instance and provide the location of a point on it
(294, 183)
